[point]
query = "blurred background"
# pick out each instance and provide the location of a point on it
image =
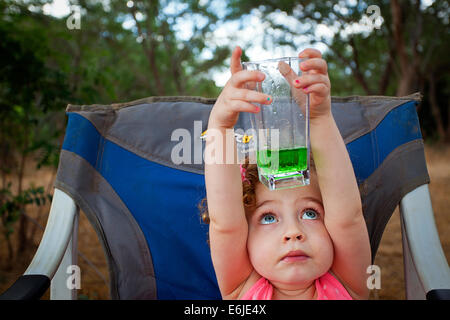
(55, 52)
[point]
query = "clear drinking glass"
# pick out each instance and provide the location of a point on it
(281, 129)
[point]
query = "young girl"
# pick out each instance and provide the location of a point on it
(308, 242)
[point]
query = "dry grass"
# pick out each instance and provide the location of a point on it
(389, 257)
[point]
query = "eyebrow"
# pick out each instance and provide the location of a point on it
(264, 202)
(310, 199)
(298, 199)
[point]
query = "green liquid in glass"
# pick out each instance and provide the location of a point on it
(289, 160)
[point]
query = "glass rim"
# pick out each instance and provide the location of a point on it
(273, 60)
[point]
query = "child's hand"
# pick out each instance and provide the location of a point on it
(314, 80)
(234, 97)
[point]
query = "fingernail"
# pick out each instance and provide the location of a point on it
(268, 99)
(305, 89)
(297, 81)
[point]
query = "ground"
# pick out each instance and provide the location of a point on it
(94, 271)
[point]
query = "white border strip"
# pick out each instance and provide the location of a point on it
(57, 235)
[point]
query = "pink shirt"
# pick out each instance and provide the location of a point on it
(327, 286)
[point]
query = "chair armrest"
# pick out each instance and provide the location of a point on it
(27, 287)
(425, 249)
(439, 294)
(51, 250)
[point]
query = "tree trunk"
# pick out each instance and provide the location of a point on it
(384, 80)
(148, 44)
(407, 72)
(355, 70)
(435, 111)
(9, 263)
(154, 68)
(447, 136)
(23, 223)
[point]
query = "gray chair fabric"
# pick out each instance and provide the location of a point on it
(145, 127)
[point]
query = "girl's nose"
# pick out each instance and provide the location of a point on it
(294, 235)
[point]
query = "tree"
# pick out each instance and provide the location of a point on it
(406, 54)
(173, 64)
(44, 66)
(30, 90)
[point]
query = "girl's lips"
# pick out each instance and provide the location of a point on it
(294, 256)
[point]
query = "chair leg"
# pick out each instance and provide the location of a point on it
(65, 282)
(413, 287)
(426, 267)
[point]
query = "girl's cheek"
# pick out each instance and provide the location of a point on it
(316, 226)
(262, 233)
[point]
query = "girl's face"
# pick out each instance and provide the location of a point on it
(288, 243)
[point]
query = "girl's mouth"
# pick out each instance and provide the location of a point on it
(295, 256)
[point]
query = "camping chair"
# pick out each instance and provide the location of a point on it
(116, 165)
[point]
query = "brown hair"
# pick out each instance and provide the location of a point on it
(248, 190)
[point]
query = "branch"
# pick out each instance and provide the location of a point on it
(397, 30)
(415, 39)
(149, 52)
(356, 73)
(384, 80)
(174, 62)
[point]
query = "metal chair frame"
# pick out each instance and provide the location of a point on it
(425, 266)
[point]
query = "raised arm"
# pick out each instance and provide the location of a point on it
(342, 203)
(341, 199)
(228, 226)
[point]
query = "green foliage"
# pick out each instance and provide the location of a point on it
(32, 91)
(12, 206)
(44, 65)
(392, 60)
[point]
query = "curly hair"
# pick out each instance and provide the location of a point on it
(248, 190)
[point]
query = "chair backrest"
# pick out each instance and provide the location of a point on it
(121, 164)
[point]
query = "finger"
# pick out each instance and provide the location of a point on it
(287, 71)
(315, 64)
(242, 106)
(251, 96)
(300, 98)
(251, 85)
(241, 77)
(310, 53)
(235, 65)
(309, 79)
(321, 89)
(290, 76)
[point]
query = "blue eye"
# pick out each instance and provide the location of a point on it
(268, 219)
(310, 214)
